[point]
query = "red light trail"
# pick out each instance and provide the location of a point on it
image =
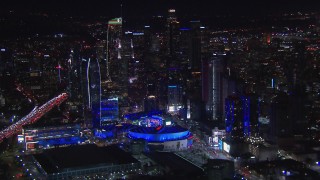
(33, 116)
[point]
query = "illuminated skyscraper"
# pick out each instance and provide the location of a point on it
(194, 83)
(94, 90)
(212, 86)
(176, 85)
(237, 116)
(74, 74)
(117, 62)
(6, 62)
(114, 35)
(109, 111)
(174, 98)
(172, 32)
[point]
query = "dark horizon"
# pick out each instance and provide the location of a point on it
(141, 8)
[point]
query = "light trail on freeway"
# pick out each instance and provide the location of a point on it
(33, 116)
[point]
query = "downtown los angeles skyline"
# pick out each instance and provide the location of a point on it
(160, 89)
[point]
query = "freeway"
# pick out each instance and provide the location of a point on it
(26, 92)
(33, 116)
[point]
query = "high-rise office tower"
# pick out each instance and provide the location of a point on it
(134, 50)
(101, 54)
(174, 99)
(194, 84)
(237, 116)
(109, 111)
(212, 70)
(174, 90)
(172, 33)
(128, 55)
(117, 62)
(281, 126)
(298, 108)
(195, 54)
(6, 62)
(94, 91)
(173, 64)
(114, 37)
(74, 74)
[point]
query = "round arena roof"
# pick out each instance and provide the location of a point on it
(159, 134)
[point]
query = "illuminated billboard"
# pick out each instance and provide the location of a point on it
(29, 138)
(171, 108)
(226, 147)
(20, 139)
(31, 145)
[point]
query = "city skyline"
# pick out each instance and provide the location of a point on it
(160, 90)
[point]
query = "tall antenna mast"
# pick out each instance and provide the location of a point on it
(121, 9)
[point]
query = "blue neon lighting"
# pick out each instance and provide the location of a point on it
(62, 141)
(246, 115)
(184, 29)
(173, 69)
(229, 110)
(104, 134)
(114, 108)
(164, 134)
(135, 116)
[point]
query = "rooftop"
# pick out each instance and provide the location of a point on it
(176, 164)
(59, 159)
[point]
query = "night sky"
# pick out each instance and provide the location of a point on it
(140, 8)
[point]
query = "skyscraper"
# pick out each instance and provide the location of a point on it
(109, 111)
(172, 33)
(94, 90)
(237, 116)
(212, 86)
(117, 62)
(74, 74)
(114, 34)
(174, 98)
(6, 62)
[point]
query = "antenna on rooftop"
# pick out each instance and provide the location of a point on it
(121, 9)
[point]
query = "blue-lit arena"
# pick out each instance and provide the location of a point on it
(152, 134)
(156, 128)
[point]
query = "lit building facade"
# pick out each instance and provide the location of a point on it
(94, 91)
(119, 52)
(74, 74)
(174, 98)
(212, 87)
(114, 34)
(237, 116)
(109, 111)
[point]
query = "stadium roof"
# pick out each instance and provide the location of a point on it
(159, 130)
